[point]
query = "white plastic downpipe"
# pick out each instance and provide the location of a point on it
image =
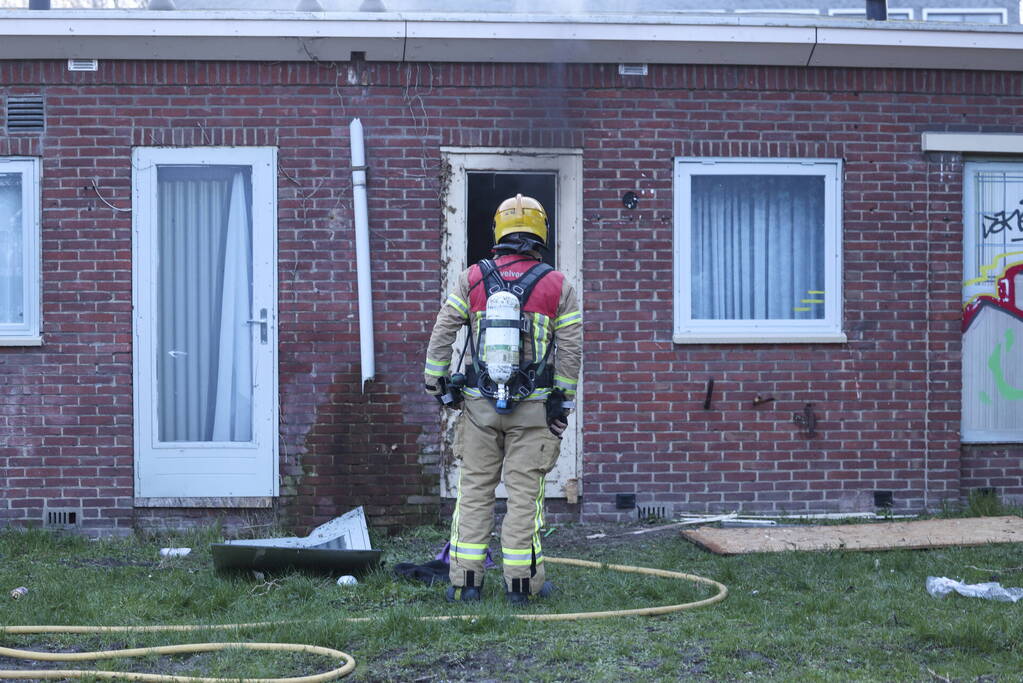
(362, 252)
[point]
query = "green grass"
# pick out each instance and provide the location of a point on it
(830, 616)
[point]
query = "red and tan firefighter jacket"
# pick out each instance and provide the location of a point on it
(553, 316)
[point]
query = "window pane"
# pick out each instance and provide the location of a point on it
(204, 284)
(12, 250)
(966, 17)
(758, 247)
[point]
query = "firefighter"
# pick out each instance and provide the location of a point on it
(510, 421)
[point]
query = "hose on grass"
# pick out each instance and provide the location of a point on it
(333, 674)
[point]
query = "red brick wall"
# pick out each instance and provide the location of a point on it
(887, 401)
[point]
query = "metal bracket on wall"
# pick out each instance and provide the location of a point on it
(807, 420)
(710, 394)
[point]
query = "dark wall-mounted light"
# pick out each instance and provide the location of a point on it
(630, 200)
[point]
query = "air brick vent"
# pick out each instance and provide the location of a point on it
(25, 114)
(62, 518)
(83, 65)
(632, 69)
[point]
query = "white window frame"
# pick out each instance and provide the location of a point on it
(826, 330)
(934, 14)
(902, 13)
(769, 10)
(27, 333)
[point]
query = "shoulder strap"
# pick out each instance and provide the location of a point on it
(491, 277)
(523, 287)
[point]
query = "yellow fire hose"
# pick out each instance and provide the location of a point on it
(349, 661)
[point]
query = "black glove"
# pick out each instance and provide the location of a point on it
(557, 410)
(450, 394)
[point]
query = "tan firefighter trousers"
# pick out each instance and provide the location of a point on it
(484, 442)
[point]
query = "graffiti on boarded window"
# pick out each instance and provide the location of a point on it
(993, 303)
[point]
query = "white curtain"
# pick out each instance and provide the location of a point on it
(12, 246)
(757, 247)
(204, 369)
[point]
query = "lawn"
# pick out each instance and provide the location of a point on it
(828, 616)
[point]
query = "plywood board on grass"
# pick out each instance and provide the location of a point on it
(931, 533)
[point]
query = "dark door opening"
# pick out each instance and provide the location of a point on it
(487, 190)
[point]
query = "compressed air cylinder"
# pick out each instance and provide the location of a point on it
(501, 343)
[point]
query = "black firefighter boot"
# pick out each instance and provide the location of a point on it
(518, 592)
(468, 593)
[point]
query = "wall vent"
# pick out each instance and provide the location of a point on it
(632, 69)
(62, 518)
(884, 499)
(651, 513)
(25, 114)
(83, 65)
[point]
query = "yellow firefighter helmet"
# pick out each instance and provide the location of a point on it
(520, 214)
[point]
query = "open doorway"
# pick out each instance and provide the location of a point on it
(486, 190)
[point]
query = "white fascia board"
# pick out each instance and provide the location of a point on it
(792, 40)
(883, 47)
(199, 35)
(607, 43)
(978, 143)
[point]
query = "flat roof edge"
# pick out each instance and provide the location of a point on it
(301, 36)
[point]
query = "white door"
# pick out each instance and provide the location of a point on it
(557, 172)
(204, 271)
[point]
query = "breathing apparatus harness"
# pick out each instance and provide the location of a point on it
(500, 377)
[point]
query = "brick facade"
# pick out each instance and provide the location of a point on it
(887, 401)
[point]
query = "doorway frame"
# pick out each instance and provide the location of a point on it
(567, 166)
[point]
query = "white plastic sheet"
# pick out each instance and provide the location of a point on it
(940, 586)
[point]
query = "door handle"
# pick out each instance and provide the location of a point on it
(264, 325)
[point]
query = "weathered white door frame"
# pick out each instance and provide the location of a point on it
(567, 166)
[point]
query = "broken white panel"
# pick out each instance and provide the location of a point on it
(347, 532)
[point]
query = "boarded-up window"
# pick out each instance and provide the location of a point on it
(993, 303)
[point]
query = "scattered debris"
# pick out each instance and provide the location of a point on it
(19, 592)
(340, 544)
(832, 515)
(941, 679)
(174, 552)
(684, 522)
(940, 586)
(265, 586)
(1006, 570)
(434, 571)
(741, 523)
